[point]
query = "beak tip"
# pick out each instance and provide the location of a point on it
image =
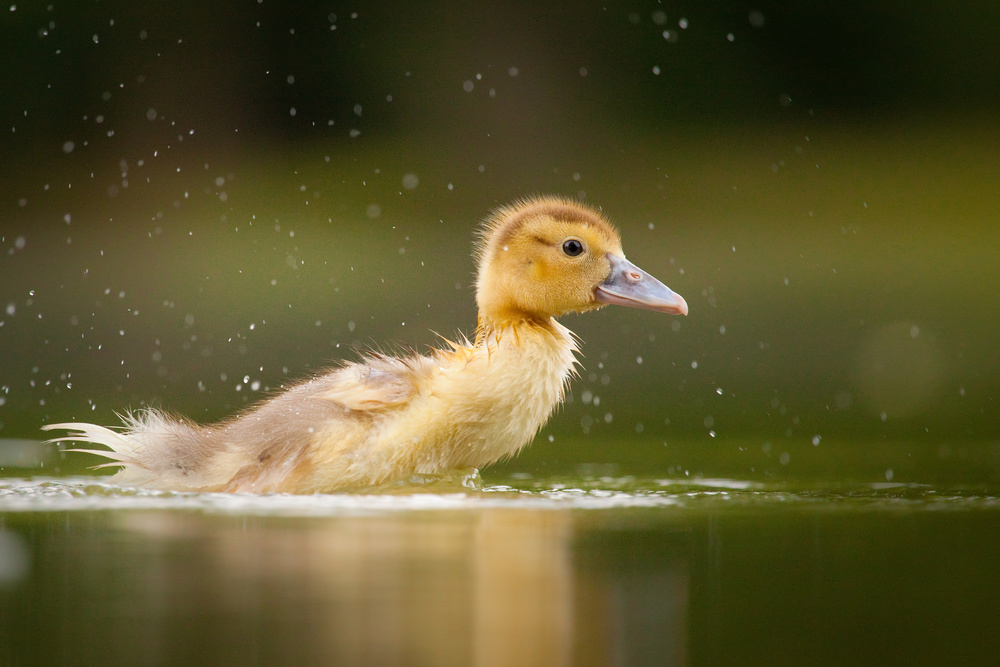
(628, 285)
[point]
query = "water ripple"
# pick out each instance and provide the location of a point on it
(71, 494)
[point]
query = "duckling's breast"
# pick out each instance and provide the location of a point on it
(479, 405)
(504, 396)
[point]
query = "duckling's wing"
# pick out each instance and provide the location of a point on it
(379, 382)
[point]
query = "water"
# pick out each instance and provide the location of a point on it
(584, 570)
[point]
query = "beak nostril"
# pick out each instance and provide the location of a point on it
(632, 275)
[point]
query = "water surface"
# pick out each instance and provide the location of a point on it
(519, 570)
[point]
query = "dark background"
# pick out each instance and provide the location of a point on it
(201, 203)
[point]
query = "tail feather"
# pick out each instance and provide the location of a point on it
(152, 449)
(121, 446)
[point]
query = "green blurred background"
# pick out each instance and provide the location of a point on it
(200, 203)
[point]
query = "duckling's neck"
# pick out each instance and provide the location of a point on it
(508, 385)
(492, 329)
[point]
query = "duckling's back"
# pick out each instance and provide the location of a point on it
(385, 418)
(361, 425)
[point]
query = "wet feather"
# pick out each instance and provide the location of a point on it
(386, 417)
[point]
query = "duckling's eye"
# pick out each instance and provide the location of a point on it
(572, 247)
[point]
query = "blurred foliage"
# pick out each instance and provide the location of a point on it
(203, 203)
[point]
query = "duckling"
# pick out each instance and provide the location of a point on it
(382, 418)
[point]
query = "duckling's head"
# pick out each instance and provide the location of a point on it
(546, 256)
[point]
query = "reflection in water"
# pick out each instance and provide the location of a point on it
(14, 559)
(495, 587)
(523, 588)
(714, 574)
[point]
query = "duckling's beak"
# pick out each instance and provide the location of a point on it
(628, 285)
